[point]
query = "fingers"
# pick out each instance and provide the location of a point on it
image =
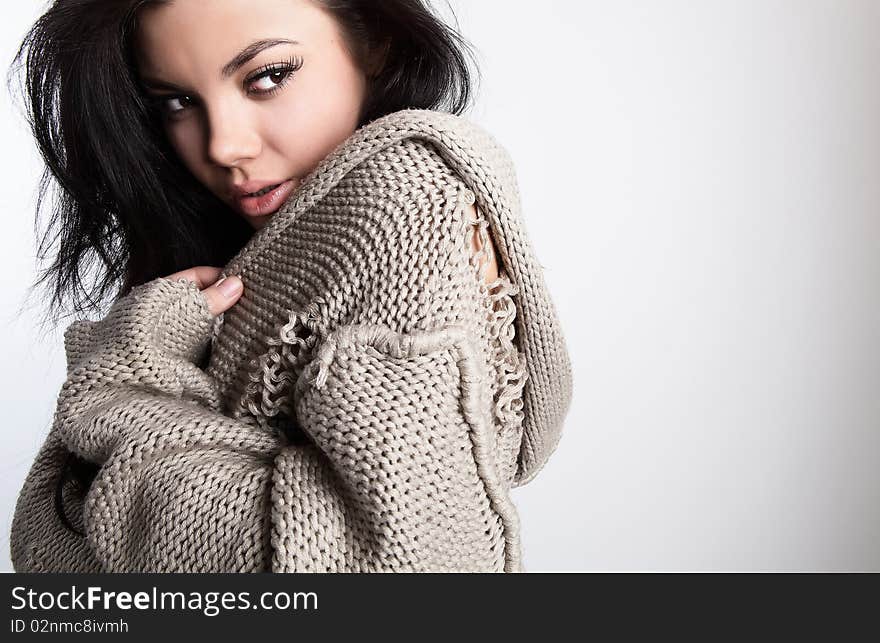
(220, 295)
(223, 294)
(203, 276)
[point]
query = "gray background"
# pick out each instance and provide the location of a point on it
(701, 182)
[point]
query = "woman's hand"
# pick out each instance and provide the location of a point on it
(221, 295)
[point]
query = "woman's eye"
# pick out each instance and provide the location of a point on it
(268, 80)
(171, 106)
(271, 80)
(272, 77)
(182, 101)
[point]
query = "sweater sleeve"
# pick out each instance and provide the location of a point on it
(390, 477)
(180, 486)
(410, 482)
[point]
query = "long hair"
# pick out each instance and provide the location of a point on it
(126, 209)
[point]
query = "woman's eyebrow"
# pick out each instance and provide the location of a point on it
(241, 58)
(249, 52)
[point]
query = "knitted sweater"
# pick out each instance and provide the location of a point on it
(366, 406)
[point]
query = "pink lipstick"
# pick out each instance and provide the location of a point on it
(265, 200)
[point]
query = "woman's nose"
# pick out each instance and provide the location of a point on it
(231, 137)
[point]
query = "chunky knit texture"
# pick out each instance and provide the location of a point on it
(367, 405)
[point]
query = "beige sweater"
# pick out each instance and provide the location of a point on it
(366, 406)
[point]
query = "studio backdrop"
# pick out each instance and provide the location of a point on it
(701, 183)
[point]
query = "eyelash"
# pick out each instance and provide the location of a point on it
(288, 68)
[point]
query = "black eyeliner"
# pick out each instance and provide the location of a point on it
(289, 67)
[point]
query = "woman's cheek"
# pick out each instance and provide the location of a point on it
(309, 128)
(300, 138)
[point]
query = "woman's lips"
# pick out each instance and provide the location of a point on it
(260, 206)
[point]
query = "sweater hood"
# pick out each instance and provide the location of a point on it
(487, 169)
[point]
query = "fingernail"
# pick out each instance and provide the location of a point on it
(229, 286)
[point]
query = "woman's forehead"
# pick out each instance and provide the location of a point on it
(171, 34)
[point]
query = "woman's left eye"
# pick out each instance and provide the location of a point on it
(273, 77)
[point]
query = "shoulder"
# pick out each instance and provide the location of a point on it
(418, 172)
(441, 142)
(410, 163)
(481, 246)
(444, 157)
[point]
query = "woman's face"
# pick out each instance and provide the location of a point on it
(244, 116)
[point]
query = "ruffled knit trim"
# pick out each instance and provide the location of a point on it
(508, 362)
(273, 373)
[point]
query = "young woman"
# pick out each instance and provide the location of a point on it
(177, 131)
